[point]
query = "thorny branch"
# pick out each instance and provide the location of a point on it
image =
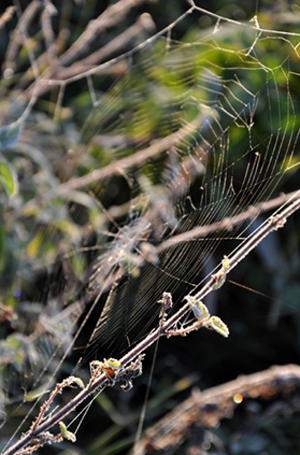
(273, 223)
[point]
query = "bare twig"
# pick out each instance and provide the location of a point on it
(49, 81)
(46, 16)
(227, 223)
(144, 22)
(20, 36)
(110, 17)
(6, 16)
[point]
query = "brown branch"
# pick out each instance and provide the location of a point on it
(144, 22)
(110, 17)
(207, 408)
(19, 34)
(227, 223)
(48, 33)
(44, 85)
(6, 16)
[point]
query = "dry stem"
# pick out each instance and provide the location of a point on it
(207, 408)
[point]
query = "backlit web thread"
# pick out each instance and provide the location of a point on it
(201, 106)
(207, 111)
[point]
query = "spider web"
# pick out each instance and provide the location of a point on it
(183, 137)
(201, 108)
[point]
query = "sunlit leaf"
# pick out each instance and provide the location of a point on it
(198, 308)
(34, 245)
(66, 434)
(219, 326)
(7, 179)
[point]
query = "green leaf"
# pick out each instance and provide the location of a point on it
(65, 433)
(7, 179)
(219, 326)
(198, 308)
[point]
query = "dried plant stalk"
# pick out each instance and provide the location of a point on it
(207, 408)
